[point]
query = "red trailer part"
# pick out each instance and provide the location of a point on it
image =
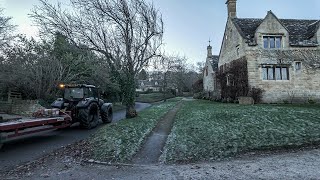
(22, 127)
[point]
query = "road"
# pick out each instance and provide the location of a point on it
(32, 147)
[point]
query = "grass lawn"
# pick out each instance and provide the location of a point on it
(152, 97)
(204, 130)
(120, 141)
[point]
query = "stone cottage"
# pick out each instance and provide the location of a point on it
(282, 56)
(209, 79)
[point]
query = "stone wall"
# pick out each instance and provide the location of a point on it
(20, 107)
(233, 45)
(208, 80)
(302, 85)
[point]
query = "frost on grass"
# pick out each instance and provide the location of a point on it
(120, 141)
(208, 131)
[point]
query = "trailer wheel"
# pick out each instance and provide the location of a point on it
(106, 116)
(89, 117)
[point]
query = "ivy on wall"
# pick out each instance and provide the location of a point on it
(233, 79)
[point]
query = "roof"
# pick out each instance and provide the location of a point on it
(214, 60)
(300, 30)
(150, 83)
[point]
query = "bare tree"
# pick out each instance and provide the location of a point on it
(127, 33)
(6, 29)
(175, 72)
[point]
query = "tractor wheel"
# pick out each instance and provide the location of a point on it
(89, 117)
(1, 143)
(107, 116)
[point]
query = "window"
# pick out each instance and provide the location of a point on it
(275, 72)
(230, 81)
(207, 71)
(271, 42)
(297, 66)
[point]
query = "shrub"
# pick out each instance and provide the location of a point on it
(311, 101)
(199, 95)
(256, 94)
(285, 101)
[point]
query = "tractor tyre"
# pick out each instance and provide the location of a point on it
(107, 115)
(1, 141)
(89, 117)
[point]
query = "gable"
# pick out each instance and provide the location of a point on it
(300, 32)
(271, 25)
(233, 43)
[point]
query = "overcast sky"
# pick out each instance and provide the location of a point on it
(190, 23)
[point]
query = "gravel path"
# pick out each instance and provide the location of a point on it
(303, 164)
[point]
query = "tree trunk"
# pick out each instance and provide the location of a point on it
(165, 87)
(129, 97)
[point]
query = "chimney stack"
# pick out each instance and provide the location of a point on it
(232, 8)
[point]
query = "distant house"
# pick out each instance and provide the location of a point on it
(209, 79)
(149, 85)
(279, 56)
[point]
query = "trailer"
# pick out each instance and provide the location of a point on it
(80, 103)
(21, 127)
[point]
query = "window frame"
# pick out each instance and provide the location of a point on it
(276, 69)
(275, 42)
(295, 65)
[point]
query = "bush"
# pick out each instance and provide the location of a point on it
(199, 95)
(285, 101)
(311, 101)
(256, 94)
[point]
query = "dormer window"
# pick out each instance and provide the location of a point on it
(272, 42)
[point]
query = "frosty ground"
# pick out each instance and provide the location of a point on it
(208, 141)
(298, 164)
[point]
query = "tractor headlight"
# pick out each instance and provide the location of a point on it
(62, 86)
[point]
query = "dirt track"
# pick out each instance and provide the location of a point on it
(293, 165)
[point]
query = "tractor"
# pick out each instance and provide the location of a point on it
(84, 104)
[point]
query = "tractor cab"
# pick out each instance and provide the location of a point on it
(84, 105)
(80, 92)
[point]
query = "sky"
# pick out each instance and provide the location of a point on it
(189, 24)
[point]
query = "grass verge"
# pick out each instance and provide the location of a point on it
(120, 141)
(153, 97)
(209, 131)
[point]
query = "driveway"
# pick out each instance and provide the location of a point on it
(29, 148)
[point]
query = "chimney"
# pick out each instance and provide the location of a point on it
(232, 8)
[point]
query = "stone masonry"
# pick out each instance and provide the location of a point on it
(299, 52)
